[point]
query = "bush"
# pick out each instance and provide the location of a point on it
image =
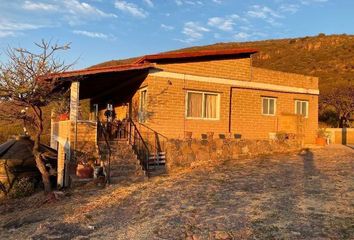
(22, 187)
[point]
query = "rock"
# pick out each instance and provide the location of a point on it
(221, 235)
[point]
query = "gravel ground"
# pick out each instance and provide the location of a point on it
(307, 195)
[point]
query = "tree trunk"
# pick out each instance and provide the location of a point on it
(37, 154)
(43, 171)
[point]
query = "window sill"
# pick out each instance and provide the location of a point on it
(204, 119)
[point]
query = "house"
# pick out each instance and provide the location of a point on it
(174, 95)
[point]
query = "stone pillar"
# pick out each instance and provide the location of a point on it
(74, 101)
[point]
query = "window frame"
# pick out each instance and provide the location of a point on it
(142, 119)
(203, 105)
(307, 107)
(275, 106)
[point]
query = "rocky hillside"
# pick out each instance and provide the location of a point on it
(329, 57)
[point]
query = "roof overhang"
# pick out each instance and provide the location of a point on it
(196, 54)
(81, 74)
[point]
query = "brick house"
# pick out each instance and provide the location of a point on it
(174, 94)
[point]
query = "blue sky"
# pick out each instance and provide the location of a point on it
(101, 30)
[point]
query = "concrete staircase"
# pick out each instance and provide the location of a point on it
(125, 165)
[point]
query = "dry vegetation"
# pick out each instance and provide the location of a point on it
(308, 195)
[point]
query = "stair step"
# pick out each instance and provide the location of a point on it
(158, 171)
(125, 167)
(122, 179)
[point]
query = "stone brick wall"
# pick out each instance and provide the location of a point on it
(283, 78)
(167, 100)
(86, 138)
(248, 120)
(167, 106)
(190, 153)
(239, 69)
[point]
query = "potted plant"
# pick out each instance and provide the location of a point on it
(321, 137)
(63, 116)
(84, 168)
(210, 135)
(188, 135)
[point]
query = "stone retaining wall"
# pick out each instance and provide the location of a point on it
(189, 153)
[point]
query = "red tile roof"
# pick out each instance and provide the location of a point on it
(145, 62)
(196, 54)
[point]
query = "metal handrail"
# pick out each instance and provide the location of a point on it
(105, 134)
(142, 150)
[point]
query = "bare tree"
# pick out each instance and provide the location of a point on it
(25, 88)
(341, 100)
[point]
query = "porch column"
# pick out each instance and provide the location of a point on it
(74, 101)
(70, 146)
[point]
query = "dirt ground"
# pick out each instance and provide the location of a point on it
(307, 195)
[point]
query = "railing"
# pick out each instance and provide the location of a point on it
(148, 145)
(140, 147)
(156, 144)
(101, 128)
(114, 130)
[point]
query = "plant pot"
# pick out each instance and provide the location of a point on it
(63, 117)
(83, 171)
(188, 135)
(210, 135)
(320, 141)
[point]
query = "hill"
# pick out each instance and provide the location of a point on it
(331, 58)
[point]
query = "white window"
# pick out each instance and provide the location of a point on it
(143, 105)
(302, 108)
(269, 106)
(202, 105)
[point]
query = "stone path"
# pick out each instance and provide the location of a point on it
(308, 195)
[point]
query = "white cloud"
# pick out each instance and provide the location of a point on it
(12, 28)
(4, 34)
(194, 31)
(307, 2)
(17, 26)
(178, 2)
(77, 13)
(149, 3)
(189, 2)
(217, 1)
(241, 36)
(291, 8)
(130, 8)
(91, 34)
(28, 5)
(167, 27)
(264, 12)
(224, 24)
(73, 11)
(76, 7)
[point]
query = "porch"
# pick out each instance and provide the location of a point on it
(101, 116)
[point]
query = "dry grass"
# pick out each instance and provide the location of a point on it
(296, 196)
